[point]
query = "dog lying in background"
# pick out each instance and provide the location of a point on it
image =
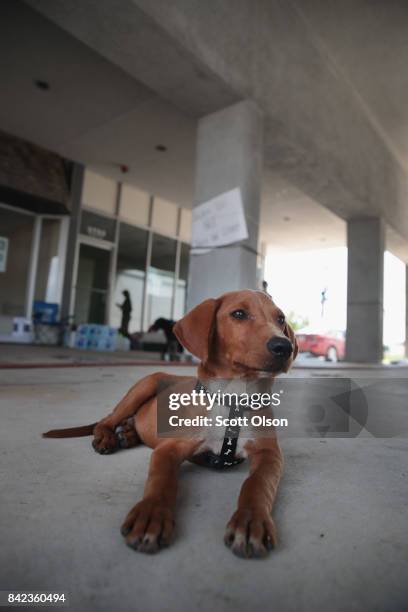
(242, 335)
(172, 348)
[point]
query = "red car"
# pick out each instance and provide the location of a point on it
(331, 345)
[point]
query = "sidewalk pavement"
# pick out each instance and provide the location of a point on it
(341, 514)
(31, 355)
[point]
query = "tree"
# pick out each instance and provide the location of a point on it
(296, 321)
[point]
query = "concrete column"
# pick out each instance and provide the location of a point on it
(77, 180)
(365, 240)
(406, 311)
(229, 155)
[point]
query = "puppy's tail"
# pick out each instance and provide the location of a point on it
(70, 432)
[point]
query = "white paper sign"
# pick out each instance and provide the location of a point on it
(220, 221)
(3, 253)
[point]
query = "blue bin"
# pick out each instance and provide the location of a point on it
(45, 312)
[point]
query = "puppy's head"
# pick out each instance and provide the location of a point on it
(241, 333)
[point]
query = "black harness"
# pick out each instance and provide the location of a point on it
(227, 455)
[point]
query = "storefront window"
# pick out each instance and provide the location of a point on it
(181, 287)
(131, 272)
(17, 229)
(160, 282)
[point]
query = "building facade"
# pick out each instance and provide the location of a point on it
(129, 240)
(126, 239)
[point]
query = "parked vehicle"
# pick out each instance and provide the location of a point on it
(330, 345)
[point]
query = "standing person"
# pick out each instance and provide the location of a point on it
(126, 309)
(323, 300)
(265, 288)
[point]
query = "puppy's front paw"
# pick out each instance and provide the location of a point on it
(148, 526)
(105, 441)
(251, 534)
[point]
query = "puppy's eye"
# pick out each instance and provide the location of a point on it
(281, 319)
(241, 315)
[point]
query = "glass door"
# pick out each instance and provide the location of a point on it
(160, 279)
(16, 233)
(92, 285)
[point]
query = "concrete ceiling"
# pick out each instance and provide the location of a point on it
(93, 111)
(366, 41)
(292, 221)
(97, 112)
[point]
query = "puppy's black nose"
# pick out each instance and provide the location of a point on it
(280, 347)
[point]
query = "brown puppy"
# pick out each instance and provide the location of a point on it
(241, 335)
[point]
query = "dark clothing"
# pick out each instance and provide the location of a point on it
(126, 308)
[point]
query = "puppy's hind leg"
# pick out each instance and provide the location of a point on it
(105, 439)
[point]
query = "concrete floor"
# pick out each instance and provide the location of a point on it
(341, 514)
(32, 355)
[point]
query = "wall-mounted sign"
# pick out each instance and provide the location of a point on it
(3, 253)
(95, 232)
(97, 226)
(220, 221)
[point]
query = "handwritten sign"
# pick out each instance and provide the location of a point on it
(219, 221)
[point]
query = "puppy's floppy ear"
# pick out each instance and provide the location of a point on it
(289, 333)
(194, 330)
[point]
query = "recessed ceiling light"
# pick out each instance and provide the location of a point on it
(41, 84)
(161, 148)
